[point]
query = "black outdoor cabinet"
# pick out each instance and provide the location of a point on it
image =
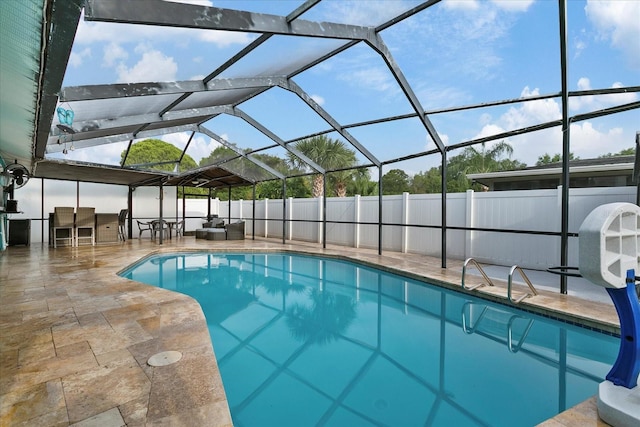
(19, 232)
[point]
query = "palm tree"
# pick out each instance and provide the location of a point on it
(330, 154)
(328, 316)
(472, 160)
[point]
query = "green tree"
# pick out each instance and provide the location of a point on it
(472, 160)
(626, 152)
(428, 182)
(296, 187)
(330, 154)
(270, 188)
(159, 155)
(361, 184)
(396, 181)
(545, 159)
(219, 154)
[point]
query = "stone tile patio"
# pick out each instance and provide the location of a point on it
(75, 338)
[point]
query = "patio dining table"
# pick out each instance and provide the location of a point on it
(171, 225)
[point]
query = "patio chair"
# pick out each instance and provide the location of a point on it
(180, 228)
(235, 231)
(86, 225)
(122, 221)
(159, 226)
(214, 223)
(63, 219)
(144, 226)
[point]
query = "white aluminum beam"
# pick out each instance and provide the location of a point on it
(379, 46)
(293, 87)
(124, 90)
(153, 12)
(239, 152)
(247, 118)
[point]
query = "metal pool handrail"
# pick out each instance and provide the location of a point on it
(479, 268)
(469, 329)
(526, 279)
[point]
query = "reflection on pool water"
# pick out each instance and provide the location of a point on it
(305, 341)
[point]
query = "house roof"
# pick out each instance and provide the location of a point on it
(600, 166)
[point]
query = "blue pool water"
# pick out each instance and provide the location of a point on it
(305, 341)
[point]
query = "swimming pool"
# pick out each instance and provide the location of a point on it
(306, 341)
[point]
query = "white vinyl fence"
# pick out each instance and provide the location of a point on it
(353, 221)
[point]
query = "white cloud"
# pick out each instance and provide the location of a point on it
(589, 142)
(153, 66)
(224, 38)
(617, 21)
(433, 98)
(113, 53)
(488, 130)
(77, 58)
(318, 99)
(360, 12)
(106, 154)
(376, 78)
(507, 5)
(461, 4)
(579, 44)
(513, 6)
(597, 102)
(531, 112)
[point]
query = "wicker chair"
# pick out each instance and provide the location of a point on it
(235, 230)
(86, 225)
(63, 219)
(214, 223)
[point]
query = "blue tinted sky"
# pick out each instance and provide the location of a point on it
(454, 53)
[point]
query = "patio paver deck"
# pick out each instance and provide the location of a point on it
(75, 337)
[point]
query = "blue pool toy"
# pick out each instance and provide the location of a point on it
(609, 247)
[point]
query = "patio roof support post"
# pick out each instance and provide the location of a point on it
(184, 206)
(636, 168)
(379, 210)
(209, 206)
(161, 200)
(253, 214)
(130, 207)
(229, 216)
(42, 212)
(566, 150)
(443, 204)
(284, 210)
(324, 210)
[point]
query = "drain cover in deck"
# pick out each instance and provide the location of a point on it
(164, 358)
